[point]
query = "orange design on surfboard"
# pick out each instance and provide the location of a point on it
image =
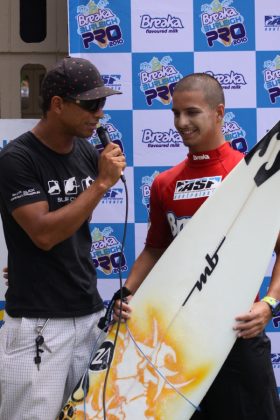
(137, 385)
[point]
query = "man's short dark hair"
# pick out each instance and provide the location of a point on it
(213, 91)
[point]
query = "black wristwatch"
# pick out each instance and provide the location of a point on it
(273, 303)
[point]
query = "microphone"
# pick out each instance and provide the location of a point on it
(105, 139)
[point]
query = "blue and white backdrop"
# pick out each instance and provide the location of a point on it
(143, 49)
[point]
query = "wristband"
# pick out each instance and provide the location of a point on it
(122, 293)
(105, 320)
(273, 303)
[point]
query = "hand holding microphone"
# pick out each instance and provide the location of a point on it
(105, 140)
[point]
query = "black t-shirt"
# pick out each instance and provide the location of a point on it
(60, 282)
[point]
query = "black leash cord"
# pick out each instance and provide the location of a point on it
(121, 295)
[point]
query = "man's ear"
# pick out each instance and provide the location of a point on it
(56, 104)
(220, 110)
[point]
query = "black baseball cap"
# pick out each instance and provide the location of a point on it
(74, 78)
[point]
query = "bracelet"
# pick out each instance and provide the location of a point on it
(123, 292)
(270, 300)
(105, 320)
(273, 303)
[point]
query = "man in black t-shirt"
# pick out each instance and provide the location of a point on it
(51, 180)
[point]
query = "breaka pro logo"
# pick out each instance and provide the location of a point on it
(106, 252)
(234, 133)
(146, 189)
(158, 79)
(99, 25)
(271, 76)
(114, 133)
(220, 22)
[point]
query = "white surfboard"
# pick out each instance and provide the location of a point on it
(181, 331)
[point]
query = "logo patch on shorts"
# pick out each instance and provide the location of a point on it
(196, 188)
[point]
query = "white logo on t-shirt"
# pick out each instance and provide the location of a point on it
(70, 186)
(54, 187)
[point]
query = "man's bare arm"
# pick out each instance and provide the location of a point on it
(46, 229)
(141, 268)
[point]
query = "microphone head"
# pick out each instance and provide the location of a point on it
(103, 135)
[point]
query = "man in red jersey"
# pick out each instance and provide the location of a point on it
(245, 387)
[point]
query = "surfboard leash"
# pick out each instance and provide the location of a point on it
(122, 293)
(104, 324)
(197, 408)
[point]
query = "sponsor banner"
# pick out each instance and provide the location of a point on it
(107, 287)
(274, 324)
(270, 265)
(106, 249)
(119, 127)
(275, 355)
(116, 72)
(224, 25)
(234, 72)
(99, 26)
(143, 179)
(267, 21)
(10, 129)
(167, 27)
(268, 78)
(155, 139)
(239, 128)
(155, 76)
(141, 230)
(266, 119)
(113, 204)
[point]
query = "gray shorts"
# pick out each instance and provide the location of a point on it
(29, 393)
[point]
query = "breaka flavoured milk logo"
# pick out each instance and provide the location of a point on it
(99, 25)
(158, 79)
(106, 252)
(231, 80)
(114, 133)
(271, 76)
(161, 139)
(272, 23)
(234, 133)
(222, 23)
(146, 189)
(161, 25)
